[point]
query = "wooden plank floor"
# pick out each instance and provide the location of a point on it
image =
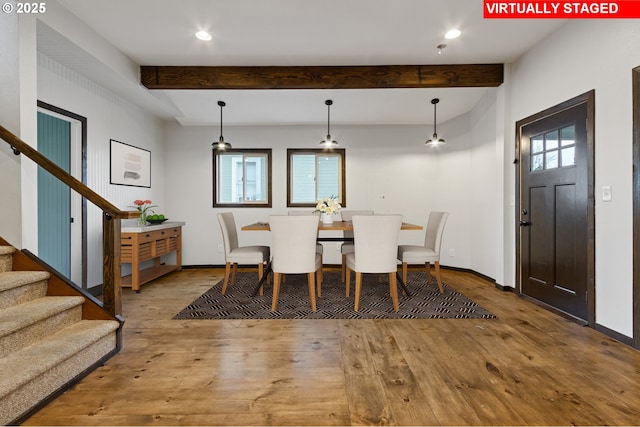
(527, 367)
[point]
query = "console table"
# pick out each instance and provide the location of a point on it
(143, 243)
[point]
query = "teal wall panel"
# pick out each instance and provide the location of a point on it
(54, 203)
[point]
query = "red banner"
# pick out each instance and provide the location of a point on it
(561, 9)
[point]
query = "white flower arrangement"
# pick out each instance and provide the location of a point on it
(328, 205)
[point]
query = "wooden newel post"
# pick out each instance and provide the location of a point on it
(111, 274)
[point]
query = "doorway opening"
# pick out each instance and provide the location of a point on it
(74, 129)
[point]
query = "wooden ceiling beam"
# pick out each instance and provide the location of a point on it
(322, 77)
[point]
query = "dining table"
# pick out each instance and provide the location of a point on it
(325, 226)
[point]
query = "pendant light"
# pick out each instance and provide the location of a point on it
(328, 142)
(220, 144)
(434, 141)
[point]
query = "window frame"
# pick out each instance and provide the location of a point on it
(558, 149)
(243, 151)
(340, 152)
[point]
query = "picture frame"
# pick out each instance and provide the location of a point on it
(129, 165)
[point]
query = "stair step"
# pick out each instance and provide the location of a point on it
(44, 367)
(17, 287)
(6, 258)
(24, 324)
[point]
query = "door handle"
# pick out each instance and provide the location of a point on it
(524, 223)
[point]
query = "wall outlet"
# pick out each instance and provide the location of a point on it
(452, 252)
(338, 246)
(220, 248)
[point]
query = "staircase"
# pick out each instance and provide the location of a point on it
(47, 342)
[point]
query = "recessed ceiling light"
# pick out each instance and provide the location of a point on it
(452, 34)
(203, 35)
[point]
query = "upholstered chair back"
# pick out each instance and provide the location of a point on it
(376, 242)
(293, 243)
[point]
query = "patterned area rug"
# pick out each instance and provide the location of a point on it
(425, 301)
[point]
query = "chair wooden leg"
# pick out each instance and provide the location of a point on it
(269, 278)
(312, 290)
(356, 305)
(344, 267)
(260, 274)
(276, 291)
(393, 290)
(234, 270)
(319, 279)
(347, 281)
(227, 271)
(427, 266)
(437, 265)
(404, 272)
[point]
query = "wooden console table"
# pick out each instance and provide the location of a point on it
(139, 244)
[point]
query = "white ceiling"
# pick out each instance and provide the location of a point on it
(297, 32)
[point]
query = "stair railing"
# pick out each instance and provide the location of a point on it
(111, 221)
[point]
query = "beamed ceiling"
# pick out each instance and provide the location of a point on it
(277, 61)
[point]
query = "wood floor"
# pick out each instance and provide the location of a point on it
(528, 367)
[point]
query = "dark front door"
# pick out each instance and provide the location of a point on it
(554, 203)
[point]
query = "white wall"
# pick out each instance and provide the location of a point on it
(10, 207)
(580, 56)
(389, 170)
(486, 202)
(108, 117)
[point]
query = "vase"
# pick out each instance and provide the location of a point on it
(327, 218)
(142, 220)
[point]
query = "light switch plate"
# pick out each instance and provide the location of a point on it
(606, 193)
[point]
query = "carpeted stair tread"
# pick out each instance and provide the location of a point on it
(12, 279)
(30, 362)
(7, 250)
(20, 316)
(17, 287)
(6, 258)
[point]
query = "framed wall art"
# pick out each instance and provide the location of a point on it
(130, 165)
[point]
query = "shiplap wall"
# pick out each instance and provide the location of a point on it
(108, 117)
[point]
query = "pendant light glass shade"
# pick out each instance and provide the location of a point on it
(329, 142)
(221, 144)
(435, 140)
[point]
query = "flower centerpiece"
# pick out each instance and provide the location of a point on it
(328, 206)
(144, 206)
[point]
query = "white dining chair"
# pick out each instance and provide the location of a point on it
(235, 254)
(375, 251)
(429, 252)
(293, 249)
(319, 246)
(347, 247)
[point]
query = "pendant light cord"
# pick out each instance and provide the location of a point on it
(329, 117)
(220, 122)
(434, 119)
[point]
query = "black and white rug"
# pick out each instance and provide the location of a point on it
(425, 301)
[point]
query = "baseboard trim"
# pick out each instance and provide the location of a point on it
(96, 291)
(339, 266)
(614, 335)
